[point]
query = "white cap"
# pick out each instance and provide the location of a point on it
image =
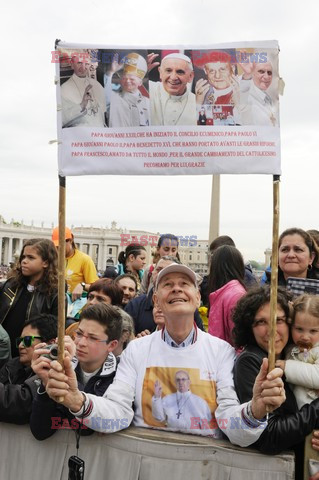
(180, 56)
(176, 268)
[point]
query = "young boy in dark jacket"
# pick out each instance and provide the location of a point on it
(98, 333)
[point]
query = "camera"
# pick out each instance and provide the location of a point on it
(76, 468)
(52, 351)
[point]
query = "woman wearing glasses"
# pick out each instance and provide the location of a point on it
(287, 426)
(96, 337)
(17, 385)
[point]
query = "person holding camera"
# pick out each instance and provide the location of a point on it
(18, 384)
(97, 336)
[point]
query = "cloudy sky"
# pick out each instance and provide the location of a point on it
(29, 182)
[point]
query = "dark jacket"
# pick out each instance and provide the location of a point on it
(141, 310)
(48, 416)
(18, 386)
(249, 278)
(40, 302)
(287, 426)
(5, 346)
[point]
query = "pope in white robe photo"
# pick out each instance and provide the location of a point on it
(181, 410)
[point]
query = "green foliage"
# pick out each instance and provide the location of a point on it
(256, 265)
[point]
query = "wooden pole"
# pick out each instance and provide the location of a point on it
(274, 274)
(214, 209)
(61, 271)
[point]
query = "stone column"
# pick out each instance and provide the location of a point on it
(9, 251)
(102, 255)
(20, 244)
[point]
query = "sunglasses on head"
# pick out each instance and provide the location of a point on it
(27, 341)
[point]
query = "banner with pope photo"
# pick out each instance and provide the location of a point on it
(168, 111)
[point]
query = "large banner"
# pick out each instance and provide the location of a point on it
(169, 111)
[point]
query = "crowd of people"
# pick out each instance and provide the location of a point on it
(136, 350)
(134, 89)
(4, 269)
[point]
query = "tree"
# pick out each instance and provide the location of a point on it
(256, 265)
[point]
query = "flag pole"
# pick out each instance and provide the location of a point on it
(274, 274)
(61, 262)
(61, 271)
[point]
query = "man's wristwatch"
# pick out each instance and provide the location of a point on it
(83, 285)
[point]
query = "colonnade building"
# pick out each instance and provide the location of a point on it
(102, 244)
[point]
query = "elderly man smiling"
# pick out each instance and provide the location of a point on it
(180, 346)
(172, 102)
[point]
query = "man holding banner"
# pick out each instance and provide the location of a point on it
(181, 346)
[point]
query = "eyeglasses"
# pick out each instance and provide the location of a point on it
(27, 341)
(263, 323)
(79, 336)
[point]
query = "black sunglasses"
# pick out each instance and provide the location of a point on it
(27, 340)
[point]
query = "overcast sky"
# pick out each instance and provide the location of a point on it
(29, 183)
